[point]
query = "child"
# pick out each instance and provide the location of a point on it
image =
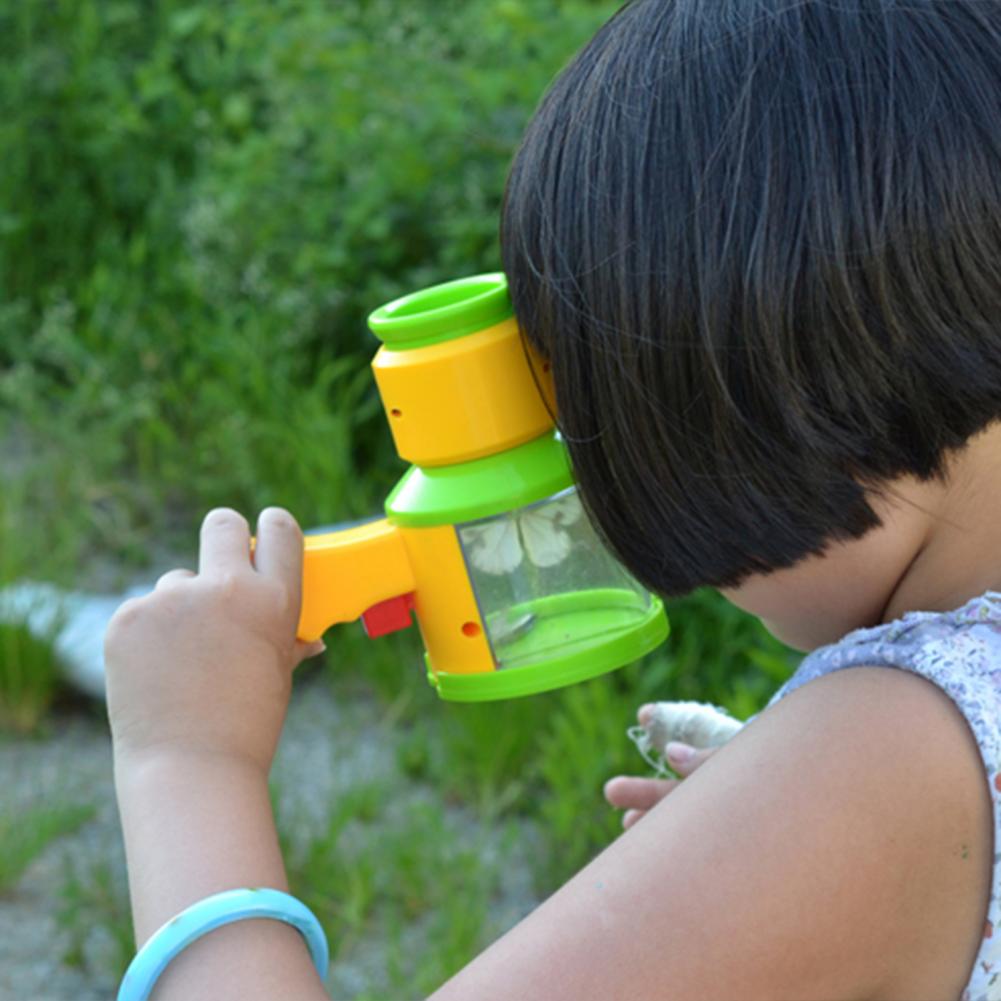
(758, 242)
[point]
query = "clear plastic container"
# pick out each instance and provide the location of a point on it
(546, 586)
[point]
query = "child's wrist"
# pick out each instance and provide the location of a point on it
(155, 764)
(194, 823)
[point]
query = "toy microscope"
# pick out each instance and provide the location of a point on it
(484, 540)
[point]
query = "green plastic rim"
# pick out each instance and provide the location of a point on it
(579, 662)
(443, 312)
(445, 495)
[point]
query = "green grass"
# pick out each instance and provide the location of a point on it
(94, 917)
(397, 866)
(24, 835)
(29, 680)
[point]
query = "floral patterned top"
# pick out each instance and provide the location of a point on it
(959, 651)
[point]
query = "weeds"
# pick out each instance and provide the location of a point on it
(192, 238)
(26, 834)
(29, 668)
(29, 679)
(94, 916)
(583, 746)
(399, 868)
(477, 755)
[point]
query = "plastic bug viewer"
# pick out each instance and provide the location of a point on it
(758, 244)
(484, 541)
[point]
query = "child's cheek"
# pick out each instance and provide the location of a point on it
(822, 598)
(783, 619)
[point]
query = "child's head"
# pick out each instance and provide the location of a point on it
(760, 244)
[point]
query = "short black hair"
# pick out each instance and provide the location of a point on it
(759, 243)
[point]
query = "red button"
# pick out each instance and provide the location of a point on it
(388, 616)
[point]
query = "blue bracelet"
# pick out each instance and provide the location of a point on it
(214, 912)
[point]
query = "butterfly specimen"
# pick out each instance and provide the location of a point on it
(500, 545)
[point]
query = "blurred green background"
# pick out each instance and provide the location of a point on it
(199, 204)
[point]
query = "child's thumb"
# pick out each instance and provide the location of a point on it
(304, 650)
(684, 758)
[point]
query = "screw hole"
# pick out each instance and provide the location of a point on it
(395, 412)
(470, 629)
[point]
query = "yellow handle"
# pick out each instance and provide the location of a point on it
(344, 573)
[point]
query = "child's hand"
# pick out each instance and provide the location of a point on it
(203, 664)
(636, 794)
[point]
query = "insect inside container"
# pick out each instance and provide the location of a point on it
(499, 545)
(506, 630)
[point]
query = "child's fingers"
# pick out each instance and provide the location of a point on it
(224, 545)
(304, 650)
(630, 817)
(173, 577)
(628, 792)
(278, 553)
(684, 759)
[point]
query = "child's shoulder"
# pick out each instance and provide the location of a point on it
(862, 797)
(902, 810)
(839, 846)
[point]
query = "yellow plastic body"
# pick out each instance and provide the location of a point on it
(346, 572)
(465, 398)
(446, 607)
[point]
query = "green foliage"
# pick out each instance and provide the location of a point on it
(29, 668)
(199, 204)
(583, 746)
(24, 836)
(478, 754)
(29, 680)
(396, 868)
(338, 883)
(95, 919)
(392, 666)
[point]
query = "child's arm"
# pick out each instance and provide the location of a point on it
(838, 847)
(199, 675)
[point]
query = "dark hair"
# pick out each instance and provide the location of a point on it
(759, 243)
